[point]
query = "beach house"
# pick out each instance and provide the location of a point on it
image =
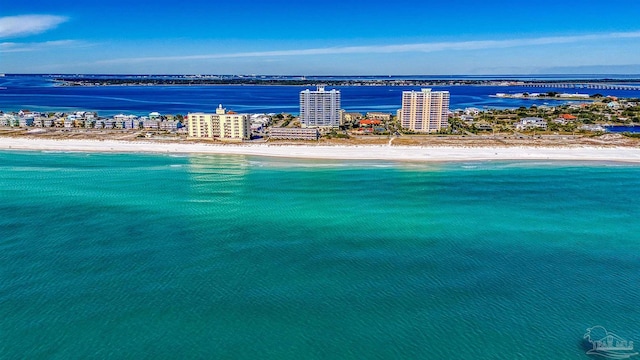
(531, 123)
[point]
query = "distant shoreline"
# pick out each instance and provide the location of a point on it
(334, 152)
(302, 81)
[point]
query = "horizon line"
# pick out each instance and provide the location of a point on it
(317, 75)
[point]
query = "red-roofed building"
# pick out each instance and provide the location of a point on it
(568, 117)
(370, 122)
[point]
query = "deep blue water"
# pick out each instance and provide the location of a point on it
(622, 129)
(37, 93)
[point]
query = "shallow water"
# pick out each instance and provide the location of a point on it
(150, 256)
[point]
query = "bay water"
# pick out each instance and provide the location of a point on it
(39, 93)
(155, 256)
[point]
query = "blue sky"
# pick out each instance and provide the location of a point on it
(319, 38)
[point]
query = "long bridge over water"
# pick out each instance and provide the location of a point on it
(598, 86)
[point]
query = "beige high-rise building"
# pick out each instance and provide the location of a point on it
(425, 110)
(222, 125)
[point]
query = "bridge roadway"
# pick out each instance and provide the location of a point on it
(598, 86)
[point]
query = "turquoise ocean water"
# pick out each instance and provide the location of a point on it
(163, 257)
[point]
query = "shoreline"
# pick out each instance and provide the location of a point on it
(334, 152)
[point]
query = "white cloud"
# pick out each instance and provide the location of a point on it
(25, 25)
(398, 48)
(12, 47)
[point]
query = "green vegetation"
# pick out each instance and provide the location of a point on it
(333, 134)
(631, 135)
(563, 119)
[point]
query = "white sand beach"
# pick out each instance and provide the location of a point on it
(360, 152)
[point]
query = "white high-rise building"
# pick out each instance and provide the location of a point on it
(425, 110)
(320, 108)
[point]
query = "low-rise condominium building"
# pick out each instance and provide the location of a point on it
(222, 125)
